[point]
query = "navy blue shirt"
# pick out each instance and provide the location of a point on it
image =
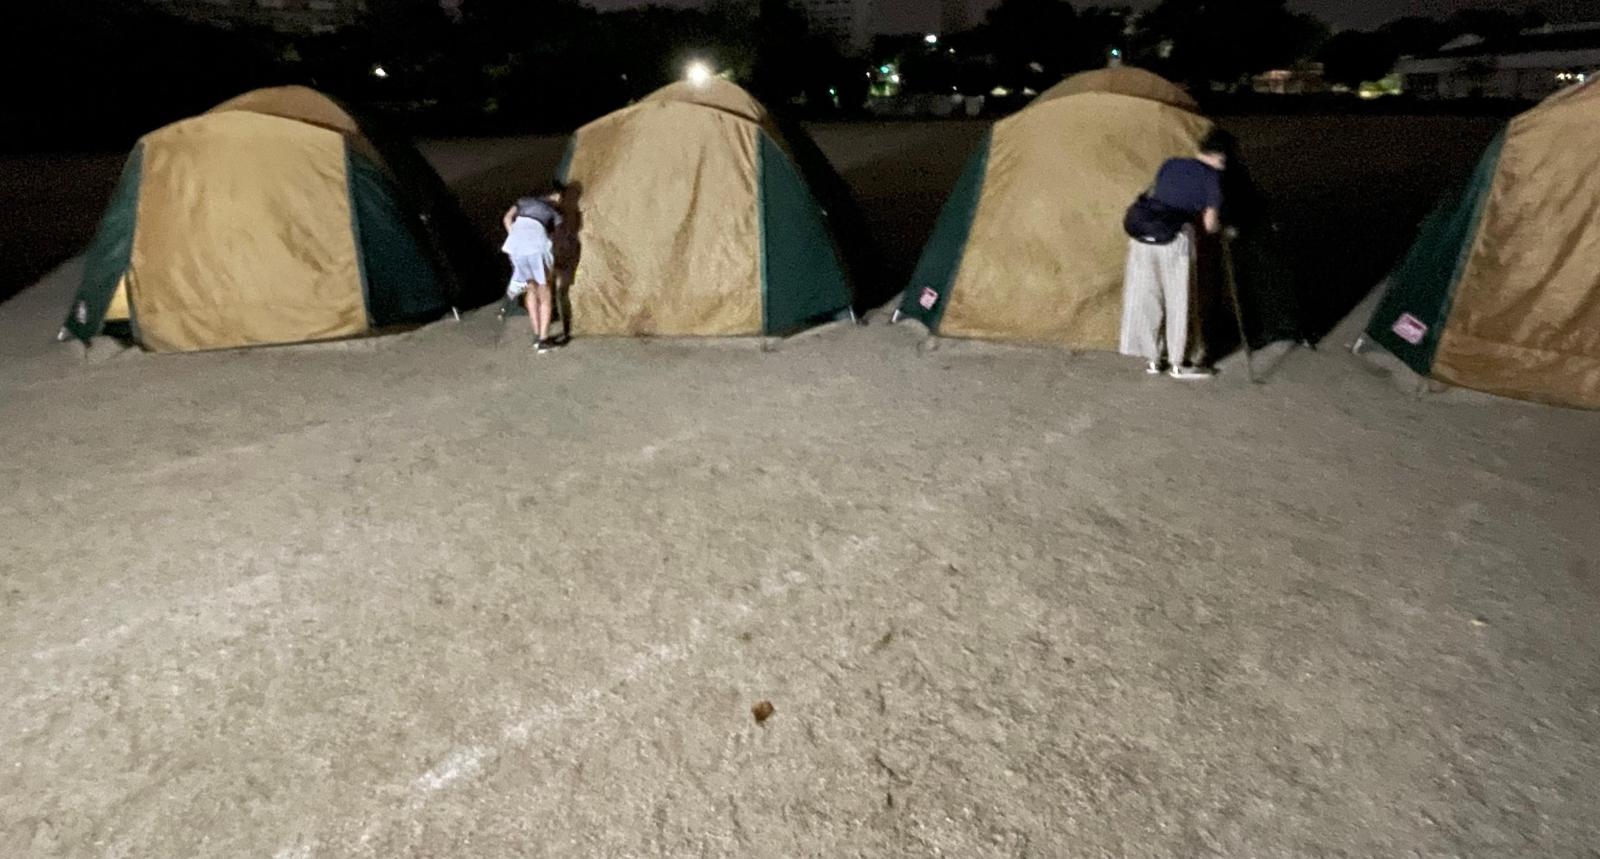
(1189, 185)
(539, 210)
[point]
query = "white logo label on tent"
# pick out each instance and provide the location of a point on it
(1410, 329)
(930, 297)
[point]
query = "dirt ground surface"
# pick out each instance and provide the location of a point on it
(434, 595)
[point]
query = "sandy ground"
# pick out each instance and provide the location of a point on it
(434, 595)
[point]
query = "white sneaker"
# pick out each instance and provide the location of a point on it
(1191, 372)
(1155, 368)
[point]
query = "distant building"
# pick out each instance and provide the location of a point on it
(1303, 79)
(1529, 65)
(849, 21)
(288, 16)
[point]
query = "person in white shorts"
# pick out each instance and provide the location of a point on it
(530, 225)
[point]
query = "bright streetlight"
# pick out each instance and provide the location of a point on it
(380, 72)
(931, 38)
(697, 72)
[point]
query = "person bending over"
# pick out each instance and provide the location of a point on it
(1161, 257)
(530, 225)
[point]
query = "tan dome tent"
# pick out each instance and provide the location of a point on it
(694, 220)
(1501, 292)
(269, 219)
(1030, 245)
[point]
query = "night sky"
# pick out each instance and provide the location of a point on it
(914, 15)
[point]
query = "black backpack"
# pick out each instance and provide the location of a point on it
(1153, 222)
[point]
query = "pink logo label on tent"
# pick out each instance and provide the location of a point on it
(930, 297)
(1410, 329)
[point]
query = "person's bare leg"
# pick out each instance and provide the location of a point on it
(545, 304)
(529, 302)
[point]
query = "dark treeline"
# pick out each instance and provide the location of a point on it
(96, 73)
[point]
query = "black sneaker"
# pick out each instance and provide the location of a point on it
(543, 346)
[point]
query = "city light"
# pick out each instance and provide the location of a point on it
(931, 38)
(380, 72)
(698, 72)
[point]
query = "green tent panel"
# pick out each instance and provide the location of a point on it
(564, 169)
(802, 280)
(936, 271)
(402, 284)
(1411, 317)
(109, 254)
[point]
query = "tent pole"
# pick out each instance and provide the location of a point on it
(1238, 309)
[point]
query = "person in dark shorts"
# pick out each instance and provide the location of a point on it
(1159, 277)
(531, 224)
